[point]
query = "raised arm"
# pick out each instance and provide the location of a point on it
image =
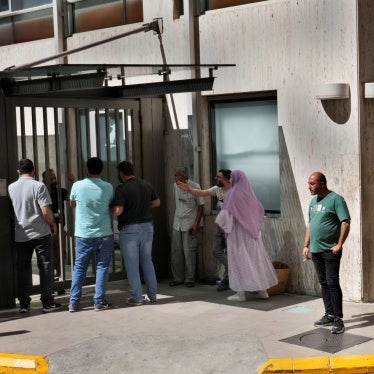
(194, 191)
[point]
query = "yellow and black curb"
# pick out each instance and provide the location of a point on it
(22, 364)
(362, 364)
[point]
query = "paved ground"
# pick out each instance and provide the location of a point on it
(189, 330)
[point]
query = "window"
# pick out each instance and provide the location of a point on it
(178, 10)
(4, 5)
(245, 137)
(14, 5)
(25, 27)
(88, 15)
(217, 4)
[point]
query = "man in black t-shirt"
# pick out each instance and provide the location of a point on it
(57, 193)
(133, 201)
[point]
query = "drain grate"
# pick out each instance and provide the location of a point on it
(322, 340)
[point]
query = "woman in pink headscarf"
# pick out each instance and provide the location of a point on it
(241, 218)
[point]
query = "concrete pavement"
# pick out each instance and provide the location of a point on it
(189, 330)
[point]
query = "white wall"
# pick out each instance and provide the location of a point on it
(292, 46)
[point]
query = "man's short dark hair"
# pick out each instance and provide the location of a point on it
(95, 166)
(126, 167)
(25, 166)
(226, 173)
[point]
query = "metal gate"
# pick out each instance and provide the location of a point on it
(59, 137)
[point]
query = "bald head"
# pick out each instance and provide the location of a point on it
(317, 184)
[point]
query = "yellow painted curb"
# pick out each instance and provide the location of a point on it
(22, 364)
(363, 364)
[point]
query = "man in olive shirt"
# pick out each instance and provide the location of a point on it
(328, 228)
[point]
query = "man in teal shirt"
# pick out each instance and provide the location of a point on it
(328, 228)
(93, 233)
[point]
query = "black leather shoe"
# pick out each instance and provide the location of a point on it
(174, 283)
(224, 286)
(189, 284)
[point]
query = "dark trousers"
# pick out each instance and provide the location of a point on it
(220, 250)
(44, 253)
(327, 267)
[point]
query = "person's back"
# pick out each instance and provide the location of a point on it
(34, 226)
(136, 196)
(27, 196)
(92, 198)
(132, 204)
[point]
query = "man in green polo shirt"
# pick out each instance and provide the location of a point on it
(326, 232)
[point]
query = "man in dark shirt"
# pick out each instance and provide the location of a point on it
(133, 201)
(58, 194)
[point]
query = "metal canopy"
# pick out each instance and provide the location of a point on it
(72, 80)
(91, 80)
(129, 70)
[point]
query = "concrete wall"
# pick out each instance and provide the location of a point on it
(366, 123)
(292, 46)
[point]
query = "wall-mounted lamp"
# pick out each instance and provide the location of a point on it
(332, 91)
(369, 90)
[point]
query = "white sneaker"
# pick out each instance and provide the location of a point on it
(239, 296)
(262, 294)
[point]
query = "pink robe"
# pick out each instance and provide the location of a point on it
(250, 268)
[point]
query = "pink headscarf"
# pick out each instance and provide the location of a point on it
(243, 204)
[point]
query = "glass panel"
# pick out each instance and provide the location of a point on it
(111, 147)
(178, 9)
(216, 4)
(134, 11)
(94, 15)
(6, 31)
(33, 26)
(246, 137)
(25, 4)
(4, 5)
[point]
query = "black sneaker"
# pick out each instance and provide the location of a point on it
(48, 308)
(338, 326)
(326, 320)
(102, 306)
(24, 309)
(223, 286)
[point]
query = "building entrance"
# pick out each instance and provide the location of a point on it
(59, 135)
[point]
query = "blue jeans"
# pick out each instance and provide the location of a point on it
(44, 253)
(327, 267)
(136, 248)
(84, 247)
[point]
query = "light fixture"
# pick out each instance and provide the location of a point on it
(332, 91)
(369, 90)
